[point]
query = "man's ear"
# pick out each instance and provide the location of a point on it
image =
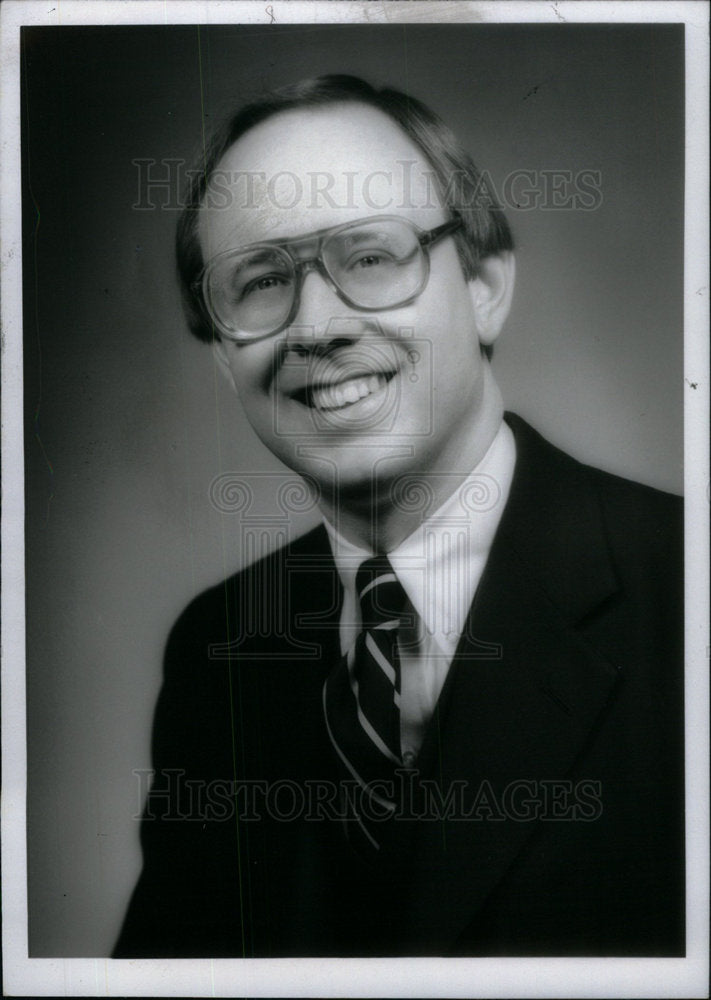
(491, 293)
(219, 352)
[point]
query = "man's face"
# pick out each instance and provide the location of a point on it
(347, 396)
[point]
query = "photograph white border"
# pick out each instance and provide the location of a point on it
(471, 977)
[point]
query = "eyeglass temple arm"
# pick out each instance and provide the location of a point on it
(451, 226)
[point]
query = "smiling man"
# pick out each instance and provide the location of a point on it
(449, 720)
(328, 354)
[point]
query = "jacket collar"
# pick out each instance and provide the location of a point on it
(523, 694)
(551, 540)
(553, 523)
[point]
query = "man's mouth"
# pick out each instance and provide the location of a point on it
(339, 395)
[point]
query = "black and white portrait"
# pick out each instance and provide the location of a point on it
(354, 460)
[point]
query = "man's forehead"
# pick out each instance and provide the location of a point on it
(307, 169)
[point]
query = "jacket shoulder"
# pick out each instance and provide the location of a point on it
(216, 601)
(253, 611)
(629, 495)
(639, 517)
(629, 509)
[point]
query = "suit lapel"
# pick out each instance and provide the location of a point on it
(522, 696)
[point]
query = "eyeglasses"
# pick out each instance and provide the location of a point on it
(372, 264)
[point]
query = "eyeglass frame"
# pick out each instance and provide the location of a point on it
(426, 238)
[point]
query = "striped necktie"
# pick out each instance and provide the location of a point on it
(362, 703)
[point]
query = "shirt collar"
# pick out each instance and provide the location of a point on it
(440, 563)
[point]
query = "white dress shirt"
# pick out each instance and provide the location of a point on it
(439, 566)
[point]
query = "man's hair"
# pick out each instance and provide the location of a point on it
(462, 188)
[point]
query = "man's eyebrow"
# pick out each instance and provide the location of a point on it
(359, 235)
(280, 242)
(261, 253)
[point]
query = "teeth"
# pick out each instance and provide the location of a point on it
(333, 397)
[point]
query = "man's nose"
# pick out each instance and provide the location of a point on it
(322, 315)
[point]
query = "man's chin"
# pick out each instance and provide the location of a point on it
(363, 472)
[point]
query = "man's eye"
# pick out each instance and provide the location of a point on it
(367, 260)
(267, 283)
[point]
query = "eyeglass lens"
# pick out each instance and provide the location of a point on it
(376, 265)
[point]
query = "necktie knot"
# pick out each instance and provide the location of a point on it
(380, 593)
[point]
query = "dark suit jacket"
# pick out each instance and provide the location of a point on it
(558, 738)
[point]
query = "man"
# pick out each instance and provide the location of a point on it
(448, 721)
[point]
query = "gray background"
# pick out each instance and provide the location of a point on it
(128, 423)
